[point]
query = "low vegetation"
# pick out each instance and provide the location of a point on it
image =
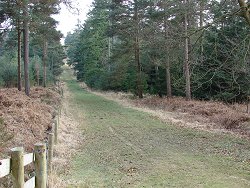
(218, 114)
(128, 148)
(24, 120)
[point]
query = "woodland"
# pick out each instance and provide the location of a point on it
(30, 50)
(195, 49)
(190, 62)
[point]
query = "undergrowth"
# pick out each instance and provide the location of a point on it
(4, 135)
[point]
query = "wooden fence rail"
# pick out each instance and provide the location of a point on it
(15, 166)
(41, 158)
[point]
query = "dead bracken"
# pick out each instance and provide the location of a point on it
(219, 114)
(25, 119)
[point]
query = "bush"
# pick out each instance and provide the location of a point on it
(8, 67)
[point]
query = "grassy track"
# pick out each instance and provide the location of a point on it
(127, 148)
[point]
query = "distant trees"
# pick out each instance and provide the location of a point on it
(33, 20)
(127, 20)
(187, 48)
(88, 48)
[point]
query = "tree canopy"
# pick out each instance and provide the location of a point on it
(39, 46)
(165, 47)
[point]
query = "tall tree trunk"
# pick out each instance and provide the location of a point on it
(19, 56)
(37, 74)
(45, 58)
(109, 53)
(137, 52)
(26, 48)
(109, 49)
(158, 84)
(201, 25)
(168, 76)
(186, 63)
(110, 39)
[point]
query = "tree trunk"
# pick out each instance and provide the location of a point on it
(109, 49)
(245, 10)
(45, 58)
(19, 56)
(26, 48)
(201, 25)
(109, 53)
(168, 76)
(186, 63)
(158, 84)
(137, 53)
(37, 74)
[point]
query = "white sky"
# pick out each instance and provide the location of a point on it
(68, 20)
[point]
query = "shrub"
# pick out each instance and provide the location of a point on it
(8, 67)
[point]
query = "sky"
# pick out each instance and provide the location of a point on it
(68, 19)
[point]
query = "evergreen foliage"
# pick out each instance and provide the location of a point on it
(45, 60)
(102, 50)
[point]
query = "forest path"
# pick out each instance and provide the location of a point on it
(123, 147)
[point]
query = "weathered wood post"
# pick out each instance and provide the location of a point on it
(50, 150)
(17, 167)
(55, 130)
(40, 166)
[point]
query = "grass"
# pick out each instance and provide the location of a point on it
(128, 148)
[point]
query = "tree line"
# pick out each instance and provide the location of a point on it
(188, 48)
(30, 48)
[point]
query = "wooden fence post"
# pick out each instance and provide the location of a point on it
(17, 167)
(50, 150)
(40, 166)
(55, 130)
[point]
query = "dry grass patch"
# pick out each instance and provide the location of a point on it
(219, 114)
(206, 115)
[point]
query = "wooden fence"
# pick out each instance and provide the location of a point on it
(41, 158)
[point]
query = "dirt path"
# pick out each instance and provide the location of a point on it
(104, 144)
